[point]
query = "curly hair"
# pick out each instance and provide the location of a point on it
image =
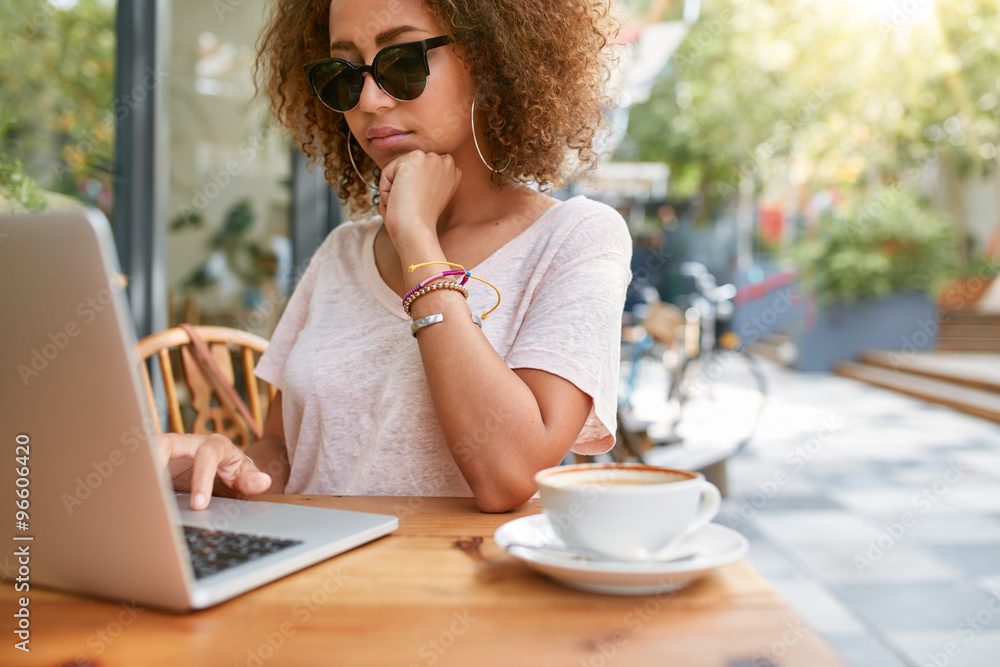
(540, 69)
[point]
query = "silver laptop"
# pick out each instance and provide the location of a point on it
(87, 507)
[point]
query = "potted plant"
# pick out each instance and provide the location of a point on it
(971, 283)
(873, 276)
(20, 192)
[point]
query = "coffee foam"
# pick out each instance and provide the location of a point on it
(612, 477)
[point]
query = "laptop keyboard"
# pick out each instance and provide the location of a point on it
(213, 551)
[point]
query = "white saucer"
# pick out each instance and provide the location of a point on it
(715, 546)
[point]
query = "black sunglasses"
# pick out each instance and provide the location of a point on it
(399, 69)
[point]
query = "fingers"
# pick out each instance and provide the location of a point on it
(415, 188)
(215, 456)
(214, 450)
(250, 481)
(385, 185)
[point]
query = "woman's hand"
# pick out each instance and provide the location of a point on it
(414, 190)
(200, 463)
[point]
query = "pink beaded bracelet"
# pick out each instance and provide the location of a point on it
(465, 278)
(466, 273)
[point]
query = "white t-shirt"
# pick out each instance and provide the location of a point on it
(357, 411)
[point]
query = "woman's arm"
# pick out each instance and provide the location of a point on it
(501, 425)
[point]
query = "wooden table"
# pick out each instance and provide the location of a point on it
(438, 591)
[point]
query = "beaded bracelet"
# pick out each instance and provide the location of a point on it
(467, 276)
(431, 288)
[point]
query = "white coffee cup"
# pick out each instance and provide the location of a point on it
(629, 511)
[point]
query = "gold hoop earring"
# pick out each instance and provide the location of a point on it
(476, 141)
(356, 170)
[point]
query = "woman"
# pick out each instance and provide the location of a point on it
(439, 113)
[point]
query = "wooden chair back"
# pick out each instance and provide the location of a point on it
(210, 416)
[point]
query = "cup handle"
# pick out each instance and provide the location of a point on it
(711, 501)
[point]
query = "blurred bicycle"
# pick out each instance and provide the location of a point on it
(715, 390)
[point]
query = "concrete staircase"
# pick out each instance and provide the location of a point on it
(965, 381)
(963, 373)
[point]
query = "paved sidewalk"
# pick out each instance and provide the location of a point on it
(876, 516)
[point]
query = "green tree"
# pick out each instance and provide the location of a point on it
(823, 94)
(56, 84)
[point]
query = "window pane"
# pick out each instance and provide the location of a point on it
(229, 254)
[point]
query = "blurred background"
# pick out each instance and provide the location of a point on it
(846, 150)
(818, 178)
